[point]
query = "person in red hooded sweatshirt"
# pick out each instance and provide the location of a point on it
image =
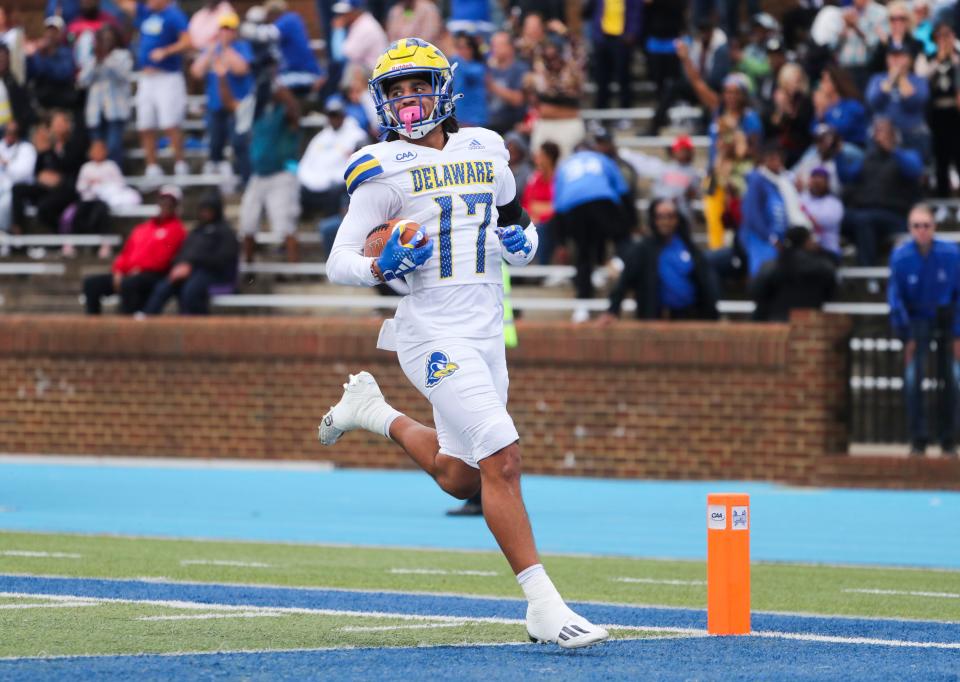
(144, 260)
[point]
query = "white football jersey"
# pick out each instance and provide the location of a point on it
(453, 193)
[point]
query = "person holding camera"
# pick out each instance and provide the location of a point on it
(924, 297)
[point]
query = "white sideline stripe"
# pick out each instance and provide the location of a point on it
(696, 632)
(388, 628)
(222, 652)
(655, 581)
(224, 562)
(55, 605)
(164, 462)
(43, 555)
(210, 616)
(831, 639)
(908, 593)
(489, 597)
(439, 571)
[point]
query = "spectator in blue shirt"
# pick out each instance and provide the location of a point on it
(50, 68)
(924, 298)
(771, 206)
(299, 70)
(667, 272)
(901, 96)
(836, 101)
(469, 78)
(591, 200)
(162, 89)
(886, 183)
(68, 10)
(229, 59)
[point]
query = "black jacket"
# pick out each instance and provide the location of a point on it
(641, 275)
(795, 279)
(212, 245)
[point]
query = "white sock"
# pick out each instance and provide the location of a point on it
(391, 415)
(537, 586)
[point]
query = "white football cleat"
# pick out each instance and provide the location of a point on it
(561, 625)
(361, 407)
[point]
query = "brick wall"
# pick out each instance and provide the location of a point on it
(655, 400)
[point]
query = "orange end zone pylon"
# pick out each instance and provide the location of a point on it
(728, 564)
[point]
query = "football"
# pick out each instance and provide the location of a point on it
(378, 236)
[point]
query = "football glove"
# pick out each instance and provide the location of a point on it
(398, 259)
(515, 240)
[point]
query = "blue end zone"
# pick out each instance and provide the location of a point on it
(425, 604)
(587, 516)
(721, 659)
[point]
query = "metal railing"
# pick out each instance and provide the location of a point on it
(877, 401)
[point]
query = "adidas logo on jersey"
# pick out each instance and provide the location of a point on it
(475, 145)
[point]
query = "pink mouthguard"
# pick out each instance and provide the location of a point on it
(407, 116)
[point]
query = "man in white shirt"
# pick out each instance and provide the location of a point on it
(320, 172)
(17, 160)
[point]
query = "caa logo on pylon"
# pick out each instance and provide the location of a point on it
(716, 517)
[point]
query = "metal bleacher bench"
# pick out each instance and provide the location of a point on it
(14, 269)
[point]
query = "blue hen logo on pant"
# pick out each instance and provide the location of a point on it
(438, 367)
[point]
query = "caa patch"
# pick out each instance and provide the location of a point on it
(438, 367)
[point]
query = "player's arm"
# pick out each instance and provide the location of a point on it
(372, 203)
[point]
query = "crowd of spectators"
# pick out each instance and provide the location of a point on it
(836, 117)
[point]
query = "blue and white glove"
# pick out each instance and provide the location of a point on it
(398, 259)
(515, 240)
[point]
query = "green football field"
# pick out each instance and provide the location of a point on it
(66, 618)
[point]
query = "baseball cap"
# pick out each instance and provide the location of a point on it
(344, 6)
(228, 20)
(56, 21)
(766, 21)
(171, 191)
(820, 170)
(823, 129)
(334, 105)
(893, 48)
(681, 142)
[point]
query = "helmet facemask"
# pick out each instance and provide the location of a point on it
(417, 125)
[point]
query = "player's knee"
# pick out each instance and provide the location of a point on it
(459, 487)
(504, 464)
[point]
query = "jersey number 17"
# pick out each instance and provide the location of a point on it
(472, 201)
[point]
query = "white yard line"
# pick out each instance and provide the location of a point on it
(209, 616)
(388, 628)
(655, 581)
(224, 562)
(54, 605)
(908, 593)
(43, 555)
(440, 571)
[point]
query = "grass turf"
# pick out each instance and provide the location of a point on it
(775, 587)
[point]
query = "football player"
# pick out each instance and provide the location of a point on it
(448, 330)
